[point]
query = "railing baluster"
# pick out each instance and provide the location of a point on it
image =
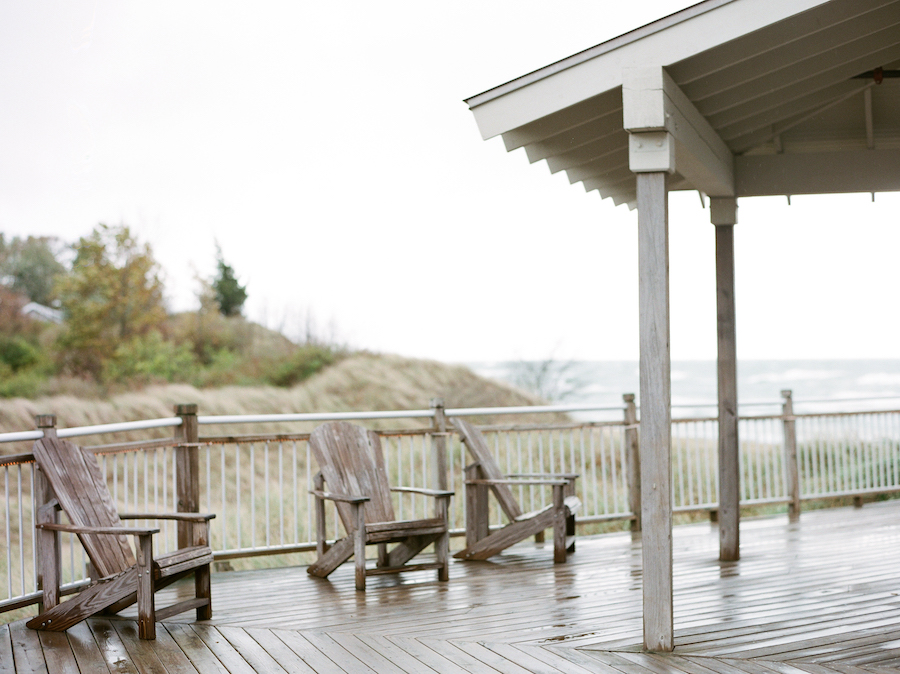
(424, 453)
(223, 486)
(604, 472)
(280, 493)
(583, 466)
(296, 491)
(237, 491)
(19, 495)
(615, 476)
(266, 490)
(9, 565)
(552, 453)
(252, 477)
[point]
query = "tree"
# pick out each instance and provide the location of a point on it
(113, 294)
(229, 294)
(31, 266)
(552, 380)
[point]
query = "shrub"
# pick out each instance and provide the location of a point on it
(18, 353)
(303, 364)
(28, 383)
(224, 369)
(149, 358)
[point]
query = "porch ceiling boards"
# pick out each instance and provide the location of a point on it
(818, 596)
(782, 93)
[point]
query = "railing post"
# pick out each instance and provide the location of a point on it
(44, 541)
(439, 444)
(187, 469)
(633, 458)
(792, 472)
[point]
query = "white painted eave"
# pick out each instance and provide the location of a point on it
(723, 81)
(599, 69)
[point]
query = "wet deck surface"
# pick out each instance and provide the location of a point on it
(818, 596)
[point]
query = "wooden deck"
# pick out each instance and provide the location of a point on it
(816, 597)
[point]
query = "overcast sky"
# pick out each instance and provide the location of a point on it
(326, 147)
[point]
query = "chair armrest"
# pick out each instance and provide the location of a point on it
(437, 493)
(521, 481)
(72, 529)
(343, 498)
(181, 517)
(47, 512)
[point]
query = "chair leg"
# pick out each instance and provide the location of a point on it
(559, 525)
(383, 556)
(570, 532)
(49, 564)
(359, 544)
(471, 505)
(321, 544)
(203, 590)
(442, 544)
(145, 599)
(570, 519)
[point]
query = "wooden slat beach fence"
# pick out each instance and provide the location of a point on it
(258, 484)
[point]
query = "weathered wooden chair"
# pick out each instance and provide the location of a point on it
(351, 463)
(484, 474)
(120, 576)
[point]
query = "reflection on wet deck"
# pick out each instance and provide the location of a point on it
(816, 596)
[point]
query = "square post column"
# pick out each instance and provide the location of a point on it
(723, 213)
(656, 413)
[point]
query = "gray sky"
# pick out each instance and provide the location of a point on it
(327, 149)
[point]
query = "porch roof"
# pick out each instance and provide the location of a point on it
(761, 97)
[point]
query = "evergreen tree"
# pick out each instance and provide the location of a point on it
(230, 295)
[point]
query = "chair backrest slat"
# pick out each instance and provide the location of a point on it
(352, 463)
(79, 486)
(482, 454)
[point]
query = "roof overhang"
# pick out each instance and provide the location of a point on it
(733, 97)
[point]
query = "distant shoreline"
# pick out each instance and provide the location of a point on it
(759, 381)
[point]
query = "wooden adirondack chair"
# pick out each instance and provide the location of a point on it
(484, 474)
(121, 576)
(351, 463)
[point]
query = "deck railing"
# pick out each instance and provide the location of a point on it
(258, 483)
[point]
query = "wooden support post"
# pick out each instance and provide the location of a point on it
(633, 459)
(656, 410)
(187, 469)
(439, 444)
(792, 471)
(723, 213)
(46, 541)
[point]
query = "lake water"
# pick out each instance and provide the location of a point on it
(817, 385)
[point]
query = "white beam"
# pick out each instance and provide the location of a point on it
(818, 173)
(669, 134)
